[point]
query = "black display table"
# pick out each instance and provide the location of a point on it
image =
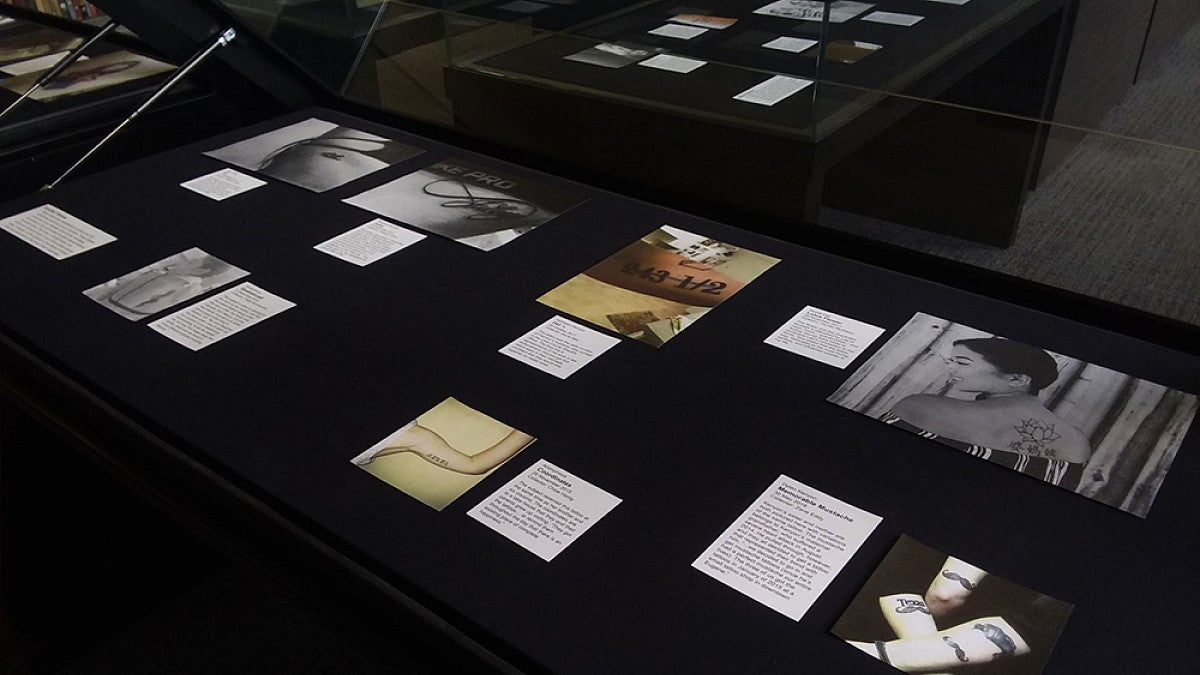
(265, 422)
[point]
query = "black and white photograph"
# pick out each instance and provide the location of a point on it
(923, 611)
(839, 11)
(1102, 434)
(315, 154)
(164, 284)
(613, 54)
(470, 202)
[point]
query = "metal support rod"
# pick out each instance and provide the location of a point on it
(224, 39)
(62, 65)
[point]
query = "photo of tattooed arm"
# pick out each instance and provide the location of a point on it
(966, 621)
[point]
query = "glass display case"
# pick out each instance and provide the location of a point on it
(987, 132)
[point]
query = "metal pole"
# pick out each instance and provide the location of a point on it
(62, 65)
(224, 39)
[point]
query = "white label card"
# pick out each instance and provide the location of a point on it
(369, 242)
(790, 44)
(774, 90)
(823, 336)
(894, 18)
(544, 509)
(787, 547)
(223, 184)
(675, 64)
(220, 316)
(559, 347)
(55, 232)
(674, 30)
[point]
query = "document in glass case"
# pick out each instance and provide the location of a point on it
(164, 284)
(839, 11)
(315, 154)
(470, 202)
(613, 55)
(659, 285)
(924, 611)
(1105, 435)
(89, 75)
(441, 454)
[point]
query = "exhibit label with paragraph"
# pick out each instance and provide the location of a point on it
(55, 232)
(823, 336)
(559, 347)
(220, 316)
(223, 184)
(369, 242)
(544, 509)
(786, 548)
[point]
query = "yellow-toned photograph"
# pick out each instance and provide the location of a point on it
(443, 453)
(659, 285)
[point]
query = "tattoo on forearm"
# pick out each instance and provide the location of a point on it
(958, 651)
(906, 606)
(955, 576)
(436, 460)
(1036, 437)
(998, 637)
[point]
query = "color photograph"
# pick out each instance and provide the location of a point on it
(476, 204)
(90, 75)
(315, 154)
(1102, 434)
(443, 453)
(922, 611)
(659, 285)
(164, 284)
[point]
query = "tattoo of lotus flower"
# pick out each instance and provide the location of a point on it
(1036, 437)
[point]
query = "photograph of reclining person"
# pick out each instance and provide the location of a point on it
(1097, 432)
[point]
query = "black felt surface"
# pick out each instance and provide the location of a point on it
(686, 435)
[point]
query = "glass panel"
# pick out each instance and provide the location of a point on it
(956, 127)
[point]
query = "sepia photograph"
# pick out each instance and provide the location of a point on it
(36, 43)
(443, 453)
(473, 203)
(90, 75)
(659, 285)
(164, 284)
(1102, 434)
(922, 611)
(315, 154)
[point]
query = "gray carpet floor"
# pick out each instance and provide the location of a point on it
(1119, 220)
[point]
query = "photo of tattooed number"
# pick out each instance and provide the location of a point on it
(1103, 434)
(924, 611)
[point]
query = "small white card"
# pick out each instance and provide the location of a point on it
(774, 90)
(34, 65)
(894, 18)
(55, 232)
(787, 547)
(675, 64)
(823, 336)
(544, 509)
(223, 184)
(220, 316)
(559, 347)
(674, 30)
(369, 242)
(790, 44)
